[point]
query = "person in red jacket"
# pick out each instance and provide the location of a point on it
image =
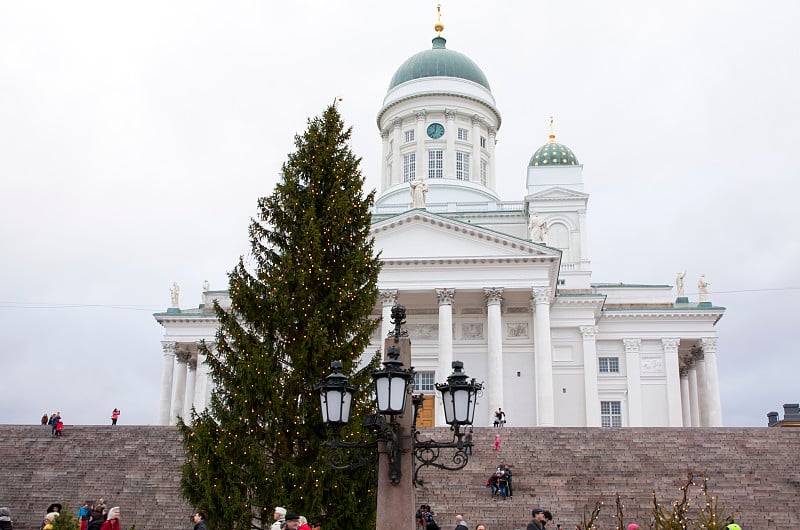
(112, 519)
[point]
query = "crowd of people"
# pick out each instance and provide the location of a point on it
(501, 482)
(55, 422)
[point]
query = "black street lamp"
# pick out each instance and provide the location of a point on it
(392, 384)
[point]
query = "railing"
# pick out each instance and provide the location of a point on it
(445, 207)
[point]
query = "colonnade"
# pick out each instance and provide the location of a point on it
(185, 366)
(692, 385)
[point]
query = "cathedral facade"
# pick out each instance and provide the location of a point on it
(504, 286)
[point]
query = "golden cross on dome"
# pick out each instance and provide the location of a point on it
(552, 131)
(438, 27)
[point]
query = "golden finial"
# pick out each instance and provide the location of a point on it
(438, 27)
(552, 131)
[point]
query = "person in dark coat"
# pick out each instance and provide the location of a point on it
(200, 520)
(538, 520)
(96, 520)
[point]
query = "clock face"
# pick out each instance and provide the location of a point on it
(435, 130)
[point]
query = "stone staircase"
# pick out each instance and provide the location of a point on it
(753, 471)
(134, 467)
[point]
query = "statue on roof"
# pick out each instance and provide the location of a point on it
(538, 228)
(679, 283)
(702, 288)
(418, 190)
(174, 294)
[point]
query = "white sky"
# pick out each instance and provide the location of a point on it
(136, 137)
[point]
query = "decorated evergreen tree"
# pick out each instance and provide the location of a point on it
(302, 299)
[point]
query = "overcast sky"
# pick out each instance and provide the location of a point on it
(136, 137)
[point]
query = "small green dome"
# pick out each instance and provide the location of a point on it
(439, 62)
(553, 154)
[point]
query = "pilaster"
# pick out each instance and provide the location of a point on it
(633, 374)
(589, 335)
(709, 345)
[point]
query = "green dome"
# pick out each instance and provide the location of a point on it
(439, 62)
(553, 154)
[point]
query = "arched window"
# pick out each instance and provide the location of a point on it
(558, 237)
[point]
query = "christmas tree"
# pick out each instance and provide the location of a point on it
(302, 299)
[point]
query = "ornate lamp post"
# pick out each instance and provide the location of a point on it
(395, 432)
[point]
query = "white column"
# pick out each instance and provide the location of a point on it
(475, 170)
(450, 132)
(702, 394)
(397, 160)
(686, 406)
(632, 369)
(388, 300)
(201, 388)
(589, 334)
(694, 402)
(167, 372)
(386, 161)
(672, 373)
(180, 385)
(709, 345)
(419, 136)
(542, 343)
(490, 181)
(191, 381)
(445, 366)
(494, 386)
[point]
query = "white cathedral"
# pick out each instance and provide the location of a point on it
(504, 286)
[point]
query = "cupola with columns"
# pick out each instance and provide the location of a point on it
(439, 124)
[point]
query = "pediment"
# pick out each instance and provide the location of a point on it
(558, 193)
(420, 235)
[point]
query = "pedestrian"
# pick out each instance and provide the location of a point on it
(59, 426)
(83, 514)
(199, 519)
(279, 517)
(304, 524)
(44, 419)
(633, 526)
(5, 513)
(292, 521)
(114, 416)
(481, 527)
(537, 523)
(468, 442)
(96, 520)
(460, 523)
(112, 519)
(509, 476)
(49, 520)
(496, 442)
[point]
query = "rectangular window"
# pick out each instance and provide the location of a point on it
(435, 163)
(463, 134)
(409, 167)
(611, 414)
(484, 171)
(462, 165)
(483, 142)
(423, 382)
(609, 365)
(409, 135)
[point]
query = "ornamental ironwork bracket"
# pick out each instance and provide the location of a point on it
(428, 452)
